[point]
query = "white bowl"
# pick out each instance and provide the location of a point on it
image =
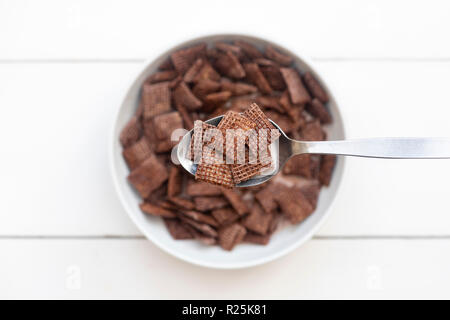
(243, 255)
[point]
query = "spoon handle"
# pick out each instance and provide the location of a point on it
(394, 148)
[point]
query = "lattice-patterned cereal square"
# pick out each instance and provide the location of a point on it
(209, 170)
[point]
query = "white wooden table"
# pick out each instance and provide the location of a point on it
(64, 67)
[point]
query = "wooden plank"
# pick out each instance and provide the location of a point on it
(54, 130)
(69, 29)
(392, 196)
(54, 135)
(135, 269)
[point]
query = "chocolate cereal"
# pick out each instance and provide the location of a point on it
(248, 85)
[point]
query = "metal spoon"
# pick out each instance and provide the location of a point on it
(390, 148)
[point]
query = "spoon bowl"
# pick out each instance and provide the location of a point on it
(281, 151)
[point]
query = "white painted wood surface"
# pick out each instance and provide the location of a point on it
(135, 269)
(56, 120)
(117, 29)
(64, 67)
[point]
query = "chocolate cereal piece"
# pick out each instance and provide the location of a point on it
(207, 72)
(240, 104)
(282, 120)
(300, 120)
(223, 46)
(165, 204)
(277, 56)
(156, 197)
(166, 65)
(192, 72)
(131, 132)
(228, 64)
(175, 82)
(270, 102)
(209, 203)
(326, 169)
(266, 134)
(202, 227)
(197, 116)
(162, 76)
(318, 110)
(184, 96)
(231, 235)
(251, 51)
(292, 110)
(235, 199)
(256, 77)
(315, 88)
(263, 62)
(199, 188)
(184, 113)
(164, 146)
(295, 112)
(174, 182)
(311, 192)
(177, 229)
(217, 98)
(205, 87)
(305, 165)
(184, 58)
(274, 77)
(237, 88)
(255, 114)
(165, 124)
(255, 238)
(149, 176)
(258, 220)
(182, 203)
(313, 131)
(156, 99)
(156, 210)
(233, 120)
(274, 225)
(207, 240)
(201, 217)
(203, 238)
(212, 53)
(225, 216)
(297, 91)
(294, 205)
(137, 153)
(266, 196)
(245, 171)
(202, 136)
